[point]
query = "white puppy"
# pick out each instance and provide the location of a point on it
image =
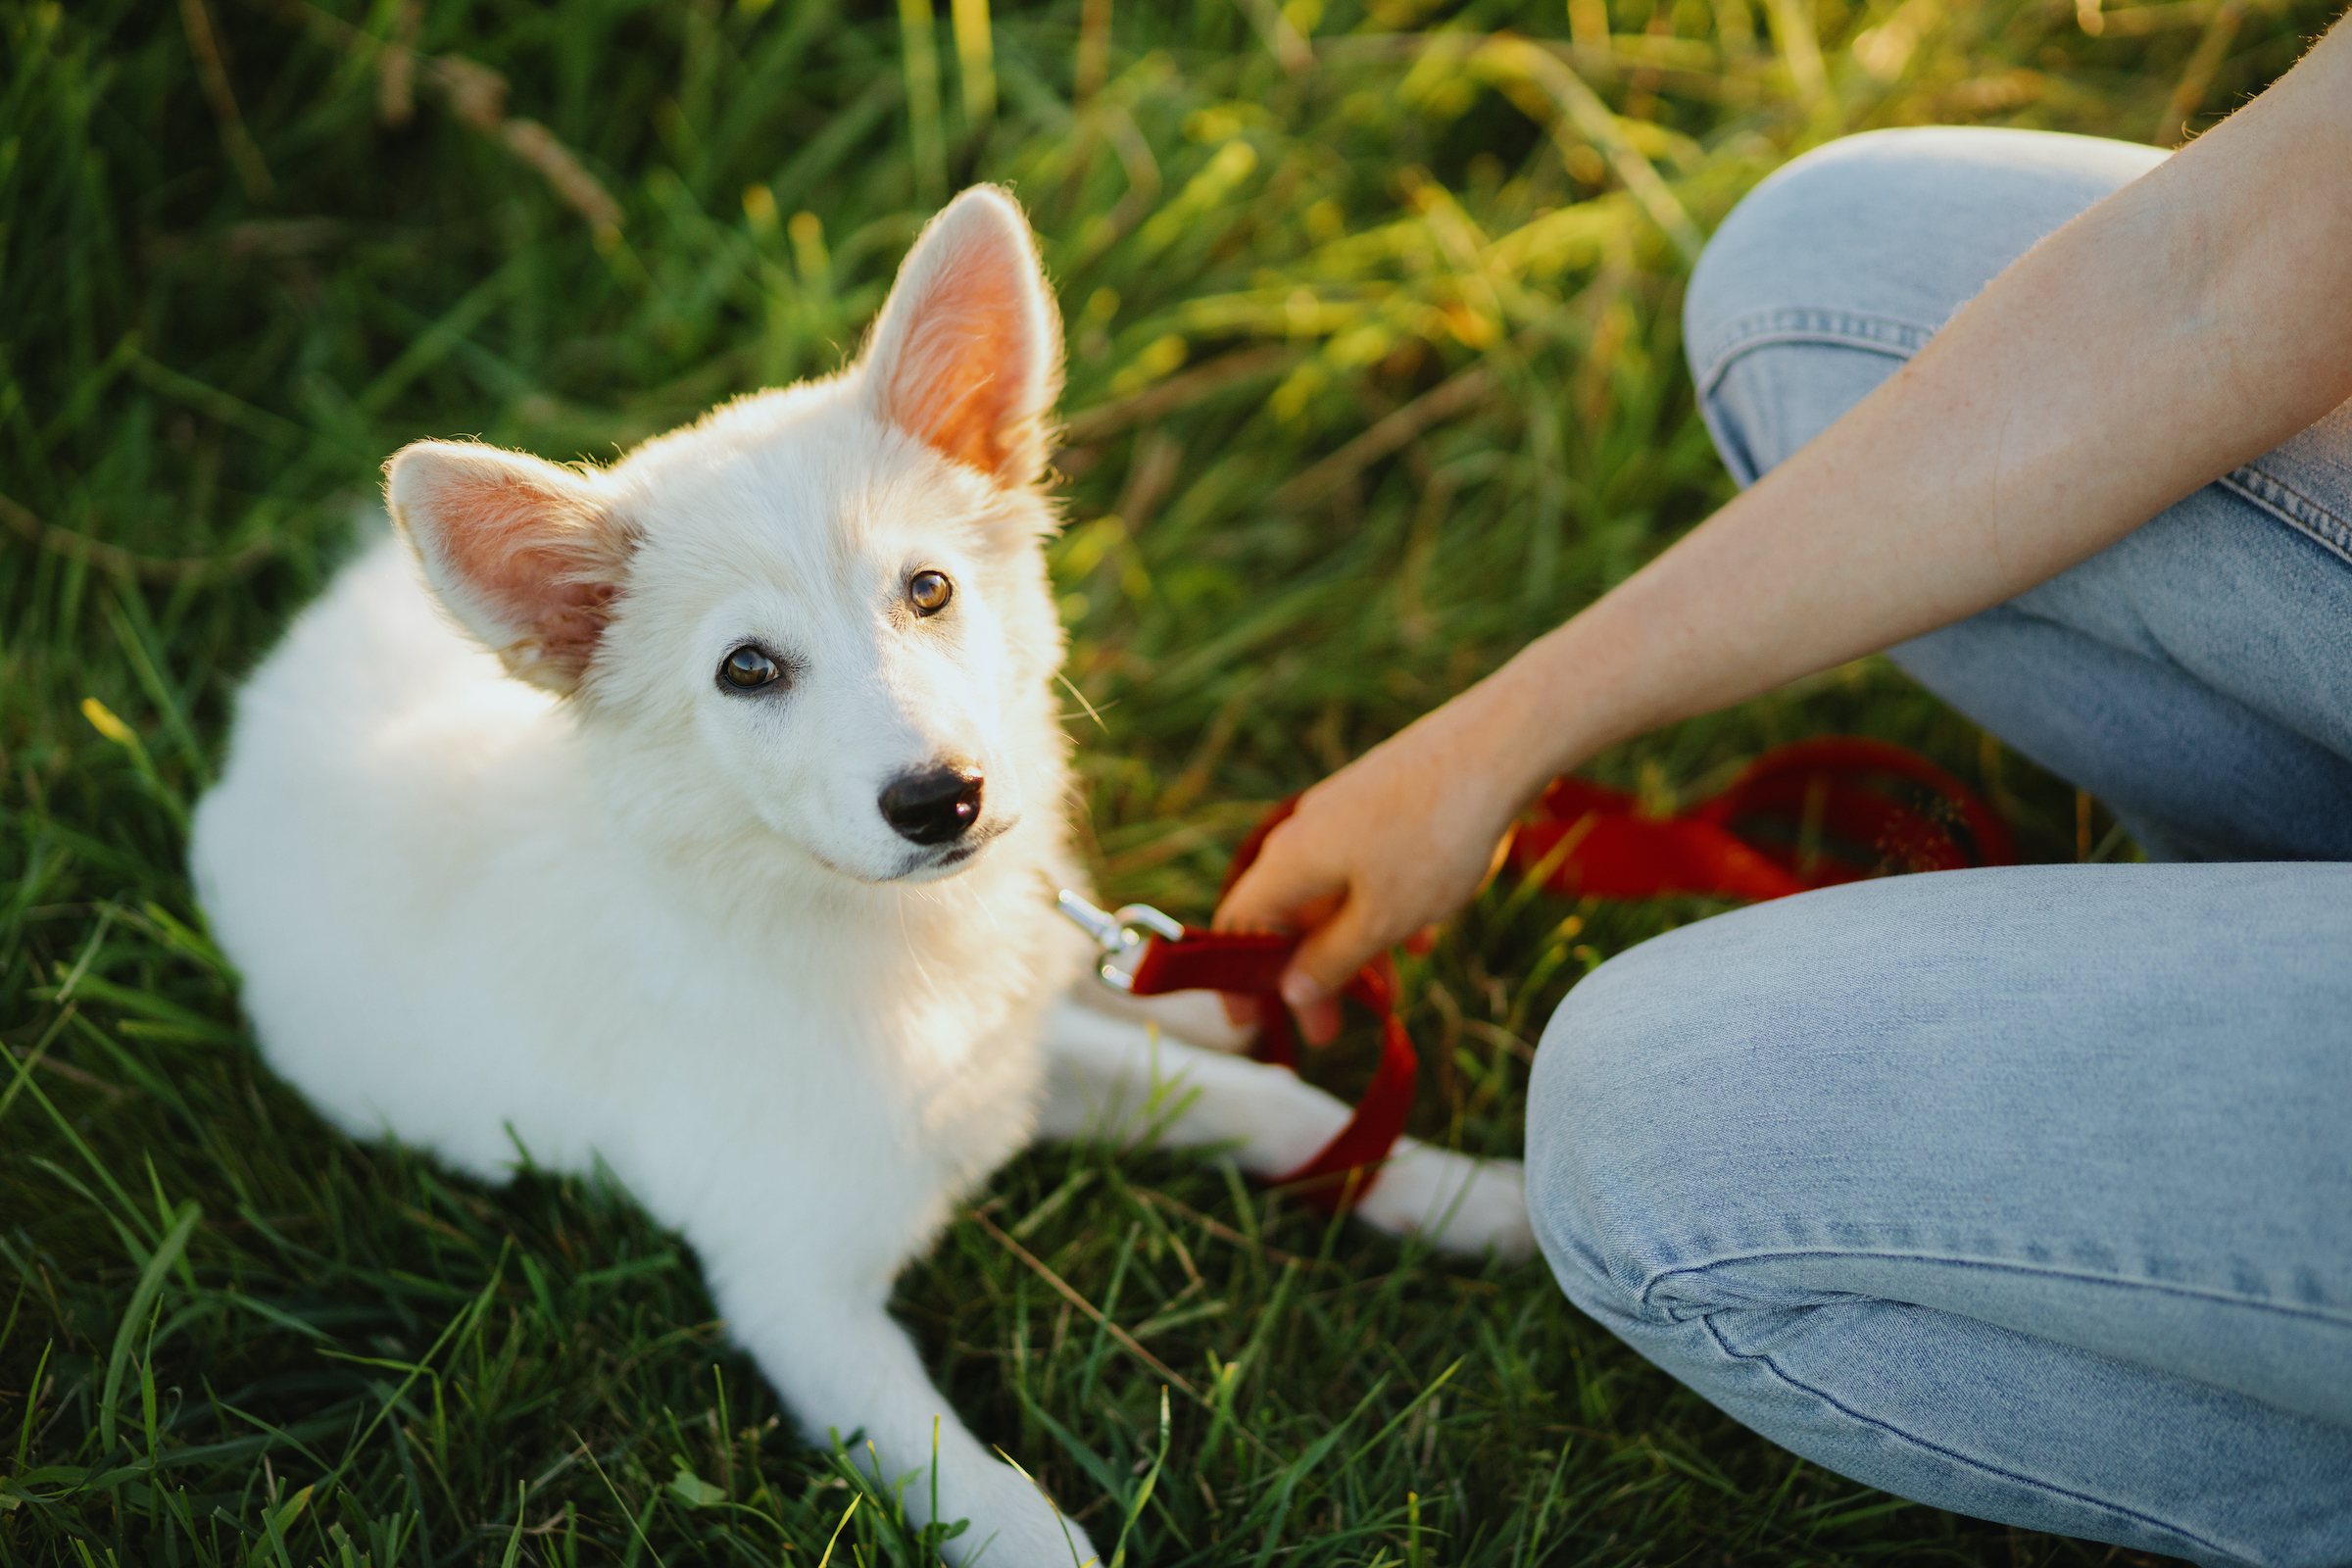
(704, 815)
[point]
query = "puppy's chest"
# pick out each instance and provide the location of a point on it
(876, 1039)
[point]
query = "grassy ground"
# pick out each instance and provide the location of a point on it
(1374, 374)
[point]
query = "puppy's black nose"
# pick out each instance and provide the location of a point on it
(933, 805)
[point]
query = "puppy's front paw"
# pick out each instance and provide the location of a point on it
(1458, 1204)
(1015, 1526)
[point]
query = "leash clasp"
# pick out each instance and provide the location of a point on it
(1122, 934)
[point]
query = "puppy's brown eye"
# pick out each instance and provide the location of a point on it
(929, 591)
(747, 668)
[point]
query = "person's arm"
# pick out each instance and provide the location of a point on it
(2188, 322)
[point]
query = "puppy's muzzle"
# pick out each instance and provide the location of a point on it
(934, 805)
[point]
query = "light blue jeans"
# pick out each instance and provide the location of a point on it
(2025, 1193)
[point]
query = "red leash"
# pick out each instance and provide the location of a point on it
(1188, 957)
(1808, 816)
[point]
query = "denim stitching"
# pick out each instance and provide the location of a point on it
(2292, 507)
(1800, 324)
(2333, 1319)
(1774, 1367)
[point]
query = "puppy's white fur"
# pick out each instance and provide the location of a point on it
(508, 869)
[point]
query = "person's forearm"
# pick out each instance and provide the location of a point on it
(2185, 325)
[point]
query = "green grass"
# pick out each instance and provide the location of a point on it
(1374, 374)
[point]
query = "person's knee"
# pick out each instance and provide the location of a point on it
(1607, 1116)
(1798, 306)
(1788, 244)
(1683, 1090)
(1561, 1161)
(1874, 240)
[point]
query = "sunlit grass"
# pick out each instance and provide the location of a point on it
(1374, 374)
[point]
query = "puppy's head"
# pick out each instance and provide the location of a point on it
(817, 616)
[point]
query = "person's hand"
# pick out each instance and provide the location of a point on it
(1399, 838)
(2099, 380)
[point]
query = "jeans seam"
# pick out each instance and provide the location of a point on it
(2333, 1319)
(1805, 323)
(1723, 1344)
(2291, 507)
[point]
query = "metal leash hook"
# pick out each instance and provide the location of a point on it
(1145, 954)
(1123, 935)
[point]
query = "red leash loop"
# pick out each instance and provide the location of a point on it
(1808, 816)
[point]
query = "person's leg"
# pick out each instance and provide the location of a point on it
(1861, 250)
(2025, 1192)
(2191, 675)
(2187, 675)
(2021, 1192)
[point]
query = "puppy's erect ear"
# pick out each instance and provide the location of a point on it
(967, 356)
(529, 556)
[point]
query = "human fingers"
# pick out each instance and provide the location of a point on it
(1325, 962)
(1319, 1021)
(1290, 887)
(1284, 888)
(1294, 884)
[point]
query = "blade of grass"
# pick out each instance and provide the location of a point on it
(142, 1302)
